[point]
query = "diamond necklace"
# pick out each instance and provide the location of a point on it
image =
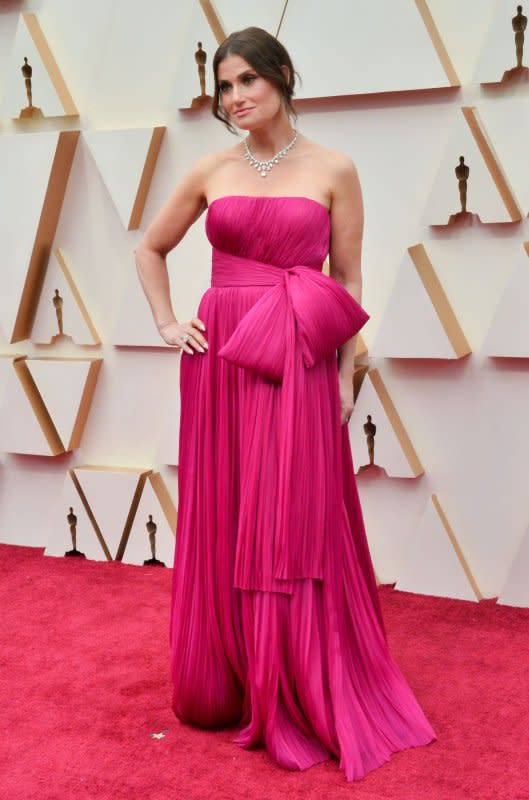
(264, 167)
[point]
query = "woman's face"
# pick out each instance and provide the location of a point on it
(250, 100)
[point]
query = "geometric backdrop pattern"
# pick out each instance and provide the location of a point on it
(400, 117)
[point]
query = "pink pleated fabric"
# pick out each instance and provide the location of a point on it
(275, 621)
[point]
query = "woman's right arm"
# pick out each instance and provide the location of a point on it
(184, 206)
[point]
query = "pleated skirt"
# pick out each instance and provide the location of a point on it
(305, 673)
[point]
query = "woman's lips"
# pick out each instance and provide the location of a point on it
(242, 112)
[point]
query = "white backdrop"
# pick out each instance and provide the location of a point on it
(122, 61)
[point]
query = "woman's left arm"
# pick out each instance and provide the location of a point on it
(345, 255)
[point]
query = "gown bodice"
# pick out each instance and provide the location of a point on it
(242, 225)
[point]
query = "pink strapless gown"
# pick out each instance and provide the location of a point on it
(275, 621)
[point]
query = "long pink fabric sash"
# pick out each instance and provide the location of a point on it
(302, 318)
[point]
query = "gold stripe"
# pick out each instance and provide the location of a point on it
(131, 515)
(38, 406)
(213, 20)
(164, 498)
(78, 299)
(146, 177)
(90, 514)
(439, 300)
(35, 31)
(442, 53)
(396, 423)
(49, 217)
(492, 163)
(455, 545)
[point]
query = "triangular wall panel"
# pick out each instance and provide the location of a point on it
(155, 501)
(66, 386)
(198, 30)
(393, 450)
(25, 426)
(498, 54)
(507, 123)
(35, 169)
(76, 320)
(112, 494)
(126, 160)
(434, 563)
(508, 335)
(60, 540)
(46, 404)
(489, 193)
(419, 321)
(406, 55)
(49, 91)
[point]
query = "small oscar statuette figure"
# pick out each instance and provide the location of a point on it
(58, 303)
(519, 25)
(370, 430)
(151, 530)
(462, 172)
(202, 99)
(72, 522)
(30, 110)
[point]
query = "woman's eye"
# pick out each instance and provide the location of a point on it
(249, 78)
(224, 87)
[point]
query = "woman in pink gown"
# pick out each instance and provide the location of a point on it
(275, 623)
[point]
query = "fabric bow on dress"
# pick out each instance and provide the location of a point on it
(301, 319)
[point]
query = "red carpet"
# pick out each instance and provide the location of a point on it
(84, 681)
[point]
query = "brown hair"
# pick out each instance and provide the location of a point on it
(266, 55)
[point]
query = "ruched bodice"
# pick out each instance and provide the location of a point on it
(284, 231)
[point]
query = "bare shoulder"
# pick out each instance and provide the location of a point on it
(337, 168)
(219, 159)
(338, 164)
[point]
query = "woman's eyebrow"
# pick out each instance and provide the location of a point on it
(240, 75)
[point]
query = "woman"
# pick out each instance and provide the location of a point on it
(276, 623)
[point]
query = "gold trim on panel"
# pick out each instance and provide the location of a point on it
(38, 407)
(439, 300)
(146, 177)
(51, 209)
(130, 516)
(456, 546)
(164, 498)
(90, 514)
(85, 402)
(36, 33)
(442, 53)
(492, 163)
(396, 423)
(213, 20)
(76, 294)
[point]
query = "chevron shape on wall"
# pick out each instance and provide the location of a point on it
(50, 96)
(126, 160)
(419, 321)
(391, 446)
(434, 563)
(46, 404)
